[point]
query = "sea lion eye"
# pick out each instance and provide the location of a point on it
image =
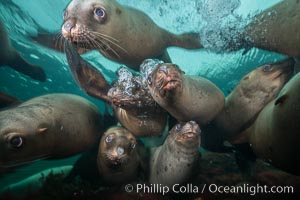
(149, 80)
(64, 14)
(108, 139)
(100, 12)
(178, 127)
(16, 142)
(133, 145)
(267, 68)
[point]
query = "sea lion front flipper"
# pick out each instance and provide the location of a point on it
(165, 57)
(19, 64)
(85, 167)
(6, 100)
(87, 76)
(245, 159)
(186, 40)
(144, 167)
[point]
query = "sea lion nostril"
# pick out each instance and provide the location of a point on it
(68, 27)
(193, 122)
(120, 151)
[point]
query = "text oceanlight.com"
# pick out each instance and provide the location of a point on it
(211, 188)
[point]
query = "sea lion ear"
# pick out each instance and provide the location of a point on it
(281, 100)
(42, 130)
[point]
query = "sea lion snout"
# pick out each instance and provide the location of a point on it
(70, 29)
(282, 70)
(166, 77)
(68, 26)
(193, 126)
(188, 131)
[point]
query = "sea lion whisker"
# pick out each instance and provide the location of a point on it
(112, 42)
(92, 42)
(108, 39)
(104, 36)
(58, 40)
(62, 41)
(110, 48)
(97, 44)
(64, 45)
(107, 156)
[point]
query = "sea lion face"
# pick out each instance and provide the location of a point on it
(165, 79)
(267, 80)
(117, 150)
(130, 91)
(86, 25)
(186, 133)
(22, 145)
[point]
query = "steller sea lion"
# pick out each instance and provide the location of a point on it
(254, 91)
(274, 136)
(11, 58)
(119, 156)
(49, 126)
(276, 29)
(185, 97)
(120, 33)
(176, 160)
(136, 111)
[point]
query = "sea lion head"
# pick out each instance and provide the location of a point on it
(117, 151)
(89, 25)
(186, 134)
(165, 79)
(21, 140)
(130, 91)
(267, 80)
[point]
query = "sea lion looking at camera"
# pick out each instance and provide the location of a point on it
(11, 58)
(119, 156)
(120, 33)
(185, 97)
(49, 126)
(176, 160)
